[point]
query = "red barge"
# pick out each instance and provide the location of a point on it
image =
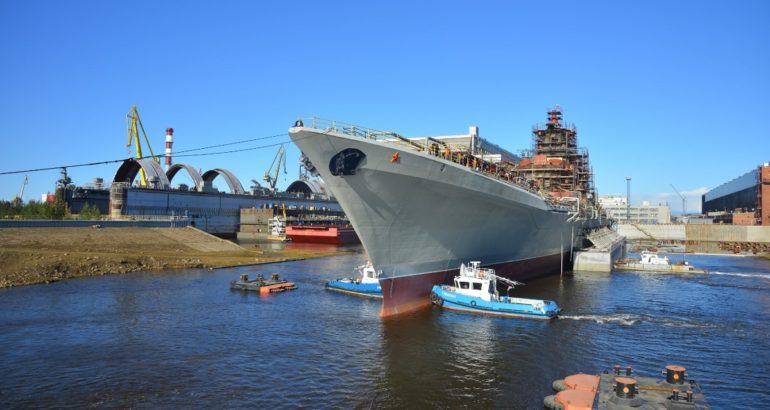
(330, 234)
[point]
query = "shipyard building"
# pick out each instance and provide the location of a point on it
(200, 205)
(617, 208)
(744, 200)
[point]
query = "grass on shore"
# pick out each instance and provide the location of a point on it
(43, 255)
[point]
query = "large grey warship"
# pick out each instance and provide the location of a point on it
(424, 205)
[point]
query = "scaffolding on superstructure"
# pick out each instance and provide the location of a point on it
(555, 164)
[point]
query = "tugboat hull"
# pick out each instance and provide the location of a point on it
(369, 290)
(445, 297)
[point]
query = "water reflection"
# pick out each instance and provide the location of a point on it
(183, 338)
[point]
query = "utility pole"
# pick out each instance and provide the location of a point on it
(628, 199)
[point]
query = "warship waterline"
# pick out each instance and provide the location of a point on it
(422, 206)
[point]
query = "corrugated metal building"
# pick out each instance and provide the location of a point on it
(744, 200)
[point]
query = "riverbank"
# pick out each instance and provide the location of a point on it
(43, 255)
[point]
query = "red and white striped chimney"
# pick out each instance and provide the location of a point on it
(169, 143)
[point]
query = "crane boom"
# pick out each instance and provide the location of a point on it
(507, 281)
(684, 201)
(20, 197)
(272, 180)
(134, 125)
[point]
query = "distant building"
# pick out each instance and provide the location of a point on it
(744, 200)
(618, 209)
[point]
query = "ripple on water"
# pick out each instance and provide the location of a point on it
(183, 339)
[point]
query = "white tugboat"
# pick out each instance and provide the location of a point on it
(652, 262)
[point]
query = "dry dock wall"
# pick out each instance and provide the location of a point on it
(702, 238)
(598, 261)
(663, 232)
(608, 248)
(695, 232)
(728, 233)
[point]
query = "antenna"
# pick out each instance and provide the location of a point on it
(684, 201)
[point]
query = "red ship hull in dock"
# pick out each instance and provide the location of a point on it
(331, 234)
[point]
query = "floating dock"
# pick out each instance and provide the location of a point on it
(273, 285)
(615, 391)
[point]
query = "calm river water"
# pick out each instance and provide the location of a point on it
(183, 339)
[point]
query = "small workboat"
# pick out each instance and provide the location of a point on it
(651, 262)
(262, 285)
(276, 229)
(475, 290)
(368, 285)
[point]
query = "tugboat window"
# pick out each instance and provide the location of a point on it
(477, 286)
(463, 285)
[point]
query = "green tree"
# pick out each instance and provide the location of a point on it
(90, 211)
(60, 208)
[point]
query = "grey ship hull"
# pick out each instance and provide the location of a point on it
(419, 216)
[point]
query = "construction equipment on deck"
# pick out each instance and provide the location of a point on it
(134, 124)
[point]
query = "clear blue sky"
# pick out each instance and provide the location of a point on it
(665, 92)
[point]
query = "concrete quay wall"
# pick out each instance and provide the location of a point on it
(593, 260)
(728, 233)
(662, 232)
(695, 232)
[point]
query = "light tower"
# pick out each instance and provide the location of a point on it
(628, 199)
(169, 143)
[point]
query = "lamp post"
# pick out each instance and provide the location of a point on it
(628, 199)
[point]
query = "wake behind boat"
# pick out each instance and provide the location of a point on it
(475, 290)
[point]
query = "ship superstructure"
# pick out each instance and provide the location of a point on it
(556, 165)
(422, 206)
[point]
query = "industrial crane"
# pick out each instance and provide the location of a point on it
(134, 124)
(273, 179)
(20, 198)
(684, 210)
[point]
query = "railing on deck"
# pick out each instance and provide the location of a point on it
(475, 163)
(343, 128)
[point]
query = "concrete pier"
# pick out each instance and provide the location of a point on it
(608, 248)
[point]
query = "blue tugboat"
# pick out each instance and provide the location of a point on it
(368, 285)
(475, 290)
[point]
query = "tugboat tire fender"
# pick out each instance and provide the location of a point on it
(550, 403)
(436, 299)
(473, 303)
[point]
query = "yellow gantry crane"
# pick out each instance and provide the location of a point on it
(134, 125)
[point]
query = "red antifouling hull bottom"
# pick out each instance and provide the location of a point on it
(409, 293)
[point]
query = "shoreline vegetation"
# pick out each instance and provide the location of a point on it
(43, 255)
